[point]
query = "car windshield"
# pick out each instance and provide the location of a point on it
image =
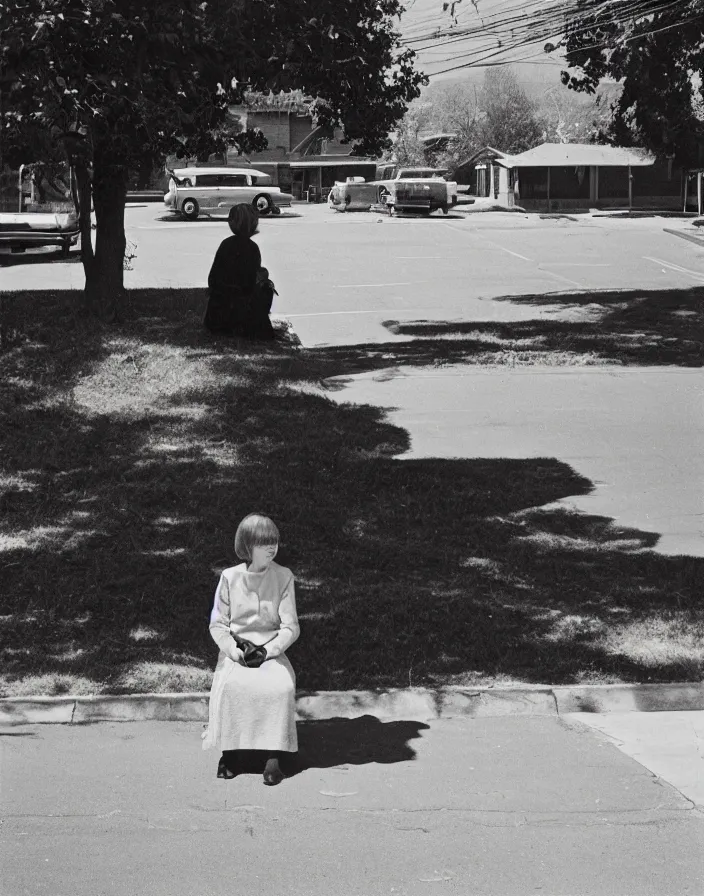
(420, 173)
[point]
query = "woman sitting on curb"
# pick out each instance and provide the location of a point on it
(240, 296)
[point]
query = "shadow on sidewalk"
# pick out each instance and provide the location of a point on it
(330, 743)
(326, 743)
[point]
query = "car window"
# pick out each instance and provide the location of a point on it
(222, 180)
(232, 180)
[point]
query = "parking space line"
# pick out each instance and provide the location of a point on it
(487, 240)
(371, 285)
(383, 311)
(560, 277)
(697, 275)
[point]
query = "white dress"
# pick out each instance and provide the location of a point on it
(253, 709)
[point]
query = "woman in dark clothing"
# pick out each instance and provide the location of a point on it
(237, 305)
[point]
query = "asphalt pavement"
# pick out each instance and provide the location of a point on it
(482, 807)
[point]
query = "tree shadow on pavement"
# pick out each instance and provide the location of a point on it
(130, 455)
(629, 327)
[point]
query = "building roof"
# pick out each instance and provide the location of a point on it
(337, 162)
(488, 152)
(549, 155)
(217, 169)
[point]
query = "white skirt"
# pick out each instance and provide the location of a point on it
(252, 709)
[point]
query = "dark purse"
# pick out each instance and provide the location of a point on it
(254, 654)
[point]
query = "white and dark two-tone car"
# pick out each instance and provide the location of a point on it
(193, 191)
(396, 190)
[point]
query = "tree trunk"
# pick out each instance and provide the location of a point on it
(104, 273)
(144, 174)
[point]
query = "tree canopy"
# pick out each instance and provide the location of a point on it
(115, 84)
(658, 57)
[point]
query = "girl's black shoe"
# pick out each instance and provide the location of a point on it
(272, 773)
(226, 768)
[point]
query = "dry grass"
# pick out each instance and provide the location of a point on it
(129, 455)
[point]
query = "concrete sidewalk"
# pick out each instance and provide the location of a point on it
(468, 806)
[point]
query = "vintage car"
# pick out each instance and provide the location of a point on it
(26, 230)
(394, 196)
(208, 190)
(398, 172)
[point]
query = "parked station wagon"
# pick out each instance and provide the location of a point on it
(208, 190)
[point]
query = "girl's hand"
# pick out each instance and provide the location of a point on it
(237, 656)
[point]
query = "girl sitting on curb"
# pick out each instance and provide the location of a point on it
(253, 708)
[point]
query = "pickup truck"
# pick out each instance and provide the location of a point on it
(394, 173)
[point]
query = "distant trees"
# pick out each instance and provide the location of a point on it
(408, 147)
(499, 113)
(510, 121)
(569, 117)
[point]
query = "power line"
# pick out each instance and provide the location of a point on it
(537, 21)
(539, 30)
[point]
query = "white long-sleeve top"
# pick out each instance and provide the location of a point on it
(257, 606)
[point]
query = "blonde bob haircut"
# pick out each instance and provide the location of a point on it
(243, 219)
(255, 530)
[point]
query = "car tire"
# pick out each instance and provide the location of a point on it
(189, 209)
(445, 210)
(262, 204)
(65, 249)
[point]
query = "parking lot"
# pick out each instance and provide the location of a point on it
(340, 275)
(363, 280)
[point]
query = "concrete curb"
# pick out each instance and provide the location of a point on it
(388, 705)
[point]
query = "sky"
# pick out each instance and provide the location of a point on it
(422, 17)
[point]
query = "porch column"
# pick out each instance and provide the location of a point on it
(685, 176)
(699, 192)
(548, 188)
(594, 183)
(630, 188)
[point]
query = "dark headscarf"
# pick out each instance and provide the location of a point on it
(243, 220)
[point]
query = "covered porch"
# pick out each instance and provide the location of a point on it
(556, 176)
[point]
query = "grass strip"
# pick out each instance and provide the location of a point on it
(129, 454)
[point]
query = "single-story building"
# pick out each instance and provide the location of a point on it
(693, 199)
(476, 171)
(558, 176)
